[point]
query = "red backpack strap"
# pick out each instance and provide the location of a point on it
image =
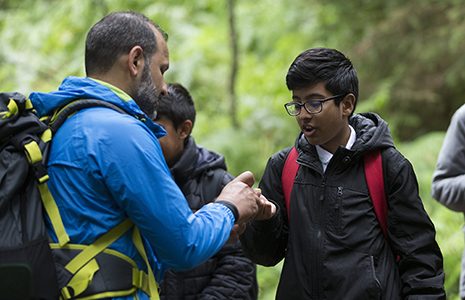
(288, 175)
(375, 180)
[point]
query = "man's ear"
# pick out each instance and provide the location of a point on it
(136, 60)
(348, 104)
(185, 129)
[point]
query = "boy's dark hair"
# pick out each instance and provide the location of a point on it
(177, 105)
(324, 65)
(115, 35)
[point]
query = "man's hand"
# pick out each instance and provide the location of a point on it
(239, 193)
(250, 203)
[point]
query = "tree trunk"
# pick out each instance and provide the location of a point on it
(234, 64)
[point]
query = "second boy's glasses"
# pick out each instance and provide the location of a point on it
(311, 106)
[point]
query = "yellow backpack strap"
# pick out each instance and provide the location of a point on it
(34, 156)
(80, 281)
(52, 211)
(12, 109)
(83, 266)
(98, 246)
(153, 288)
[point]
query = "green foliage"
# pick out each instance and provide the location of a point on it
(408, 55)
(268, 281)
(415, 46)
(249, 148)
(448, 223)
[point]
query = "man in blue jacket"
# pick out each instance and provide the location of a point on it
(106, 167)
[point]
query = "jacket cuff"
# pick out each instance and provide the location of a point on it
(231, 207)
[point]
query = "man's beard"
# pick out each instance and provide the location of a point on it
(147, 95)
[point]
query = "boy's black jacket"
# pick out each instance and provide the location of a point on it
(333, 246)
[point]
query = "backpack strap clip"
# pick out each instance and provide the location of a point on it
(34, 156)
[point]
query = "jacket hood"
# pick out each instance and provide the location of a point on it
(372, 132)
(73, 88)
(195, 160)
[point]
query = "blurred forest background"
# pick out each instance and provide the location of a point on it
(233, 56)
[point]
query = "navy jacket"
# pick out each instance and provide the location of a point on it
(201, 174)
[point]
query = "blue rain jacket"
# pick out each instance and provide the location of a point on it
(105, 166)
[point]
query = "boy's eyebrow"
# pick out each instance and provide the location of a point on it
(310, 96)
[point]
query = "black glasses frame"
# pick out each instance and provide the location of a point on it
(308, 105)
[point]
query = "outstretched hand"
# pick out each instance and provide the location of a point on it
(239, 193)
(266, 209)
(250, 203)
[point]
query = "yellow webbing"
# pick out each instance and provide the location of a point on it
(46, 135)
(52, 211)
(33, 153)
(98, 246)
(12, 109)
(80, 280)
(29, 104)
(81, 261)
(107, 295)
(153, 289)
(140, 280)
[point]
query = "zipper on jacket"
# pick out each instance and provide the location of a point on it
(373, 270)
(337, 208)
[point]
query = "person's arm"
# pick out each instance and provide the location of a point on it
(411, 233)
(265, 241)
(448, 186)
(234, 276)
(135, 172)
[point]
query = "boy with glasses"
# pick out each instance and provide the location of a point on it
(331, 239)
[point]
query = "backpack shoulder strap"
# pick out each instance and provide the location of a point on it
(54, 123)
(62, 114)
(375, 181)
(288, 175)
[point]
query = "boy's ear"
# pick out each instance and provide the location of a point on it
(185, 129)
(348, 104)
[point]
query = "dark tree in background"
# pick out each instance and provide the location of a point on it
(234, 63)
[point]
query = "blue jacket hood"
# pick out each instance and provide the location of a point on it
(73, 88)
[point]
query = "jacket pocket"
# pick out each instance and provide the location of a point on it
(353, 277)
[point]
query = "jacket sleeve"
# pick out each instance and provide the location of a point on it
(135, 171)
(448, 186)
(234, 277)
(412, 234)
(265, 241)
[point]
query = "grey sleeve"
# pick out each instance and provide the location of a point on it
(448, 186)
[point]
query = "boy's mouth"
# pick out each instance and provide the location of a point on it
(308, 130)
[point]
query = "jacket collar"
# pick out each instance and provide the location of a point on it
(73, 88)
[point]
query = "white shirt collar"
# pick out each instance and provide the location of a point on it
(325, 156)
